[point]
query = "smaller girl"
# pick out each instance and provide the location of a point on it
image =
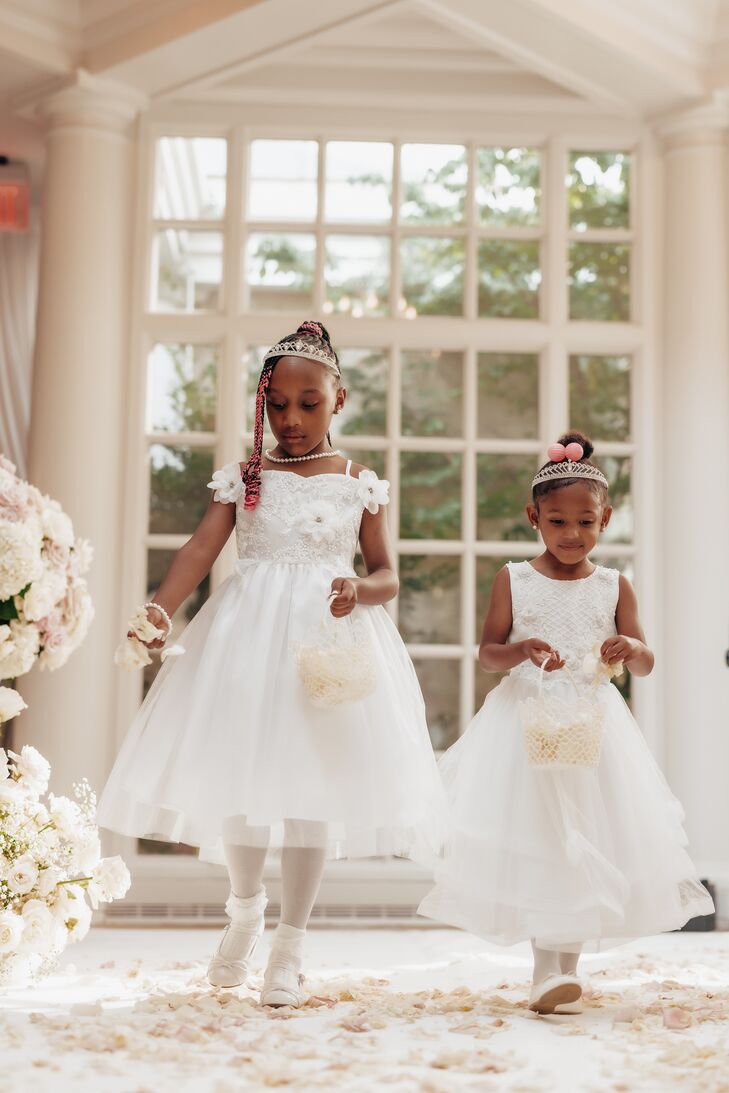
(564, 829)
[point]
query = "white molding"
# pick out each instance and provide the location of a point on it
(705, 123)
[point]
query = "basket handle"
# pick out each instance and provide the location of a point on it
(568, 671)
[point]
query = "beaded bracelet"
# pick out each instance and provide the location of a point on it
(164, 615)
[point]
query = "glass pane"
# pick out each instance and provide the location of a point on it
(252, 365)
(627, 568)
(283, 177)
(190, 178)
(486, 570)
(600, 396)
(364, 373)
(280, 271)
(178, 493)
(440, 681)
(508, 396)
(432, 276)
(508, 279)
(374, 460)
(432, 393)
(187, 270)
(618, 471)
(158, 562)
(430, 495)
(598, 190)
(433, 183)
(358, 181)
(507, 186)
(599, 281)
(429, 604)
(504, 484)
(181, 388)
(357, 274)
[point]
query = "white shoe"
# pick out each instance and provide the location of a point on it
(555, 990)
(570, 1007)
(282, 982)
(229, 965)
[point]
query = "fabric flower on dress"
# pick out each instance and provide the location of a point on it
(372, 491)
(319, 521)
(227, 484)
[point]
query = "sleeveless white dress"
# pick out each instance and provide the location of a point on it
(227, 732)
(561, 856)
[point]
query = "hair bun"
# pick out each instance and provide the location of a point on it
(578, 438)
(312, 326)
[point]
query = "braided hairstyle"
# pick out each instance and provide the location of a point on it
(313, 334)
(543, 488)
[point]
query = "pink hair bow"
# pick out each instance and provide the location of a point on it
(559, 452)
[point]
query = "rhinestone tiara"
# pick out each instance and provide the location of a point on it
(297, 347)
(568, 469)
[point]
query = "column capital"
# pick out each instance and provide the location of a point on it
(86, 101)
(706, 123)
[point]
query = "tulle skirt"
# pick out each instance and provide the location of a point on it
(227, 735)
(561, 856)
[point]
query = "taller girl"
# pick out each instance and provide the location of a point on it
(227, 748)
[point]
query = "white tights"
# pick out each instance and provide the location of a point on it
(551, 962)
(302, 864)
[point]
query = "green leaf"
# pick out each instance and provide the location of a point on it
(8, 610)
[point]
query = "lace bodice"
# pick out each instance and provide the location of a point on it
(301, 519)
(573, 616)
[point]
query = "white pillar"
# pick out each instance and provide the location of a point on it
(695, 491)
(77, 419)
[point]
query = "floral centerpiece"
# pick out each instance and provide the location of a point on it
(50, 861)
(45, 607)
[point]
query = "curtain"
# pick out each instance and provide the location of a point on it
(18, 297)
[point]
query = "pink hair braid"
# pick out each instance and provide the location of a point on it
(252, 469)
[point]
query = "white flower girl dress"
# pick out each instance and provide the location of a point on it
(227, 731)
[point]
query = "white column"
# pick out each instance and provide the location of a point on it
(695, 487)
(77, 419)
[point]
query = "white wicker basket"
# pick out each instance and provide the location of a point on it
(560, 732)
(336, 662)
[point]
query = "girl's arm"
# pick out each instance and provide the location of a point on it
(381, 583)
(494, 654)
(629, 645)
(193, 562)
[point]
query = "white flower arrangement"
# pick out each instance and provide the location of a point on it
(372, 491)
(45, 607)
(227, 484)
(50, 860)
(318, 521)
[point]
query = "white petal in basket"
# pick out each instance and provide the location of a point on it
(336, 663)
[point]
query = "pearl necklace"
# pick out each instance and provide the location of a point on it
(300, 458)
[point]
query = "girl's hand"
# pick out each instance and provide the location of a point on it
(620, 648)
(541, 653)
(344, 591)
(157, 619)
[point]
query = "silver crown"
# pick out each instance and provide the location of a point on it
(297, 347)
(568, 469)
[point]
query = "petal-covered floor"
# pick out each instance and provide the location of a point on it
(394, 1009)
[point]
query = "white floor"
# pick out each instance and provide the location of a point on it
(401, 1010)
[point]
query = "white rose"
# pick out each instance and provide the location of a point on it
(87, 852)
(73, 911)
(131, 654)
(11, 931)
(48, 880)
(41, 931)
(22, 876)
(19, 652)
(110, 880)
(57, 525)
(372, 491)
(227, 484)
(11, 704)
(34, 769)
(11, 794)
(82, 556)
(20, 557)
(66, 815)
(4, 764)
(43, 595)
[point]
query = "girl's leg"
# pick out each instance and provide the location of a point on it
(546, 962)
(302, 866)
(245, 854)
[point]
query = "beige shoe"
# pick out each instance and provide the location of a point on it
(555, 990)
(570, 1007)
(283, 981)
(229, 965)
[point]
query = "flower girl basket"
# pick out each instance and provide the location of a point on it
(336, 662)
(562, 733)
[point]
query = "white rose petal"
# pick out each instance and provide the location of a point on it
(34, 769)
(227, 484)
(57, 525)
(173, 651)
(372, 491)
(141, 625)
(131, 655)
(22, 876)
(11, 704)
(42, 933)
(11, 931)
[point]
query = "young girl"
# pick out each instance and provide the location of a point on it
(562, 853)
(227, 747)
